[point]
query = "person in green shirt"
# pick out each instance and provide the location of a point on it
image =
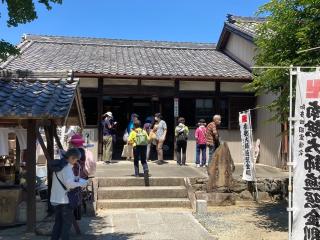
(181, 134)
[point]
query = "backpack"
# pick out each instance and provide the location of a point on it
(141, 138)
(182, 136)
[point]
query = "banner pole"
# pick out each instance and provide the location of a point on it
(290, 160)
(253, 163)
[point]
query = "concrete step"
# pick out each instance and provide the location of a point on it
(144, 203)
(134, 181)
(134, 192)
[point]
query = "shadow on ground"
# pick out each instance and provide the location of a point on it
(272, 216)
(92, 228)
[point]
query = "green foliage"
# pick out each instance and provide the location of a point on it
(7, 49)
(291, 25)
(20, 12)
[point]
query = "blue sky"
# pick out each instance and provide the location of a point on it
(172, 20)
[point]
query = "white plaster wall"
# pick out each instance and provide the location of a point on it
(268, 132)
(89, 82)
(241, 48)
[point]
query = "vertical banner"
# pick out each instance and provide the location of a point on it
(247, 145)
(176, 107)
(306, 153)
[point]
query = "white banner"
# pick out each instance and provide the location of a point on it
(247, 145)
(306, 153)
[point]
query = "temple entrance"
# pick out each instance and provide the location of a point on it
(123, 107)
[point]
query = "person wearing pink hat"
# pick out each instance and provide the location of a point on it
(77, 141)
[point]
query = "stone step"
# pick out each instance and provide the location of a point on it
(134, 181)
(144, 203)
(134, 192)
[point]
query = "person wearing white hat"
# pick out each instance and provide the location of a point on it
(108, 135)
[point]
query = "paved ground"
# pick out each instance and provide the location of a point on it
(171, 169)
(137, 224)
(168, 169)
(263, 222)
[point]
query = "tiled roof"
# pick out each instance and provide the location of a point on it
(30, 97)
(246, 25)
(125, 58)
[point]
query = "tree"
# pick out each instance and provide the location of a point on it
(290, 26)
(20, 12)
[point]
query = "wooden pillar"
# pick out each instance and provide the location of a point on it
(175, 123)
(100, 112)
(50, 147)
(31, 175)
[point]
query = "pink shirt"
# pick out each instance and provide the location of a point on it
(200, 135)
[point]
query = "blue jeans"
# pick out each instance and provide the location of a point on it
(211, 152)
(63, 222)
(203, 149)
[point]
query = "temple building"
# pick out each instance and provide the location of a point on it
(192, 80)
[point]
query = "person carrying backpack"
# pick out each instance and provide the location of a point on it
(63, 197)
(181, 134)
(138, 138)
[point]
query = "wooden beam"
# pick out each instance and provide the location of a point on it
(43, 146)
(184, 78)
(31, 175)
(56, 137)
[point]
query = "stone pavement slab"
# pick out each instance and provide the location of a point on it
(168, 169)
(137, 224)
(171, 169)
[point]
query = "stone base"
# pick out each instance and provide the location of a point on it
(8, 205)
(201, 206)
(217, 198)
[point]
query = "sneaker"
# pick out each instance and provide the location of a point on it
(198, 165)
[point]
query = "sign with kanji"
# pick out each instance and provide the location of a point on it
(247, 145)
(176, 107)
(306, 153)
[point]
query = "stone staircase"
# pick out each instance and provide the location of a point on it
(130, 192)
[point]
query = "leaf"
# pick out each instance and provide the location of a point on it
(20, 12)
(7, 49)
(291, 25)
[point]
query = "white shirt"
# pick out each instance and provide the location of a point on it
(66, 176)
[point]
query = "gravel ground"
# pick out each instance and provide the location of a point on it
(246, 222)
